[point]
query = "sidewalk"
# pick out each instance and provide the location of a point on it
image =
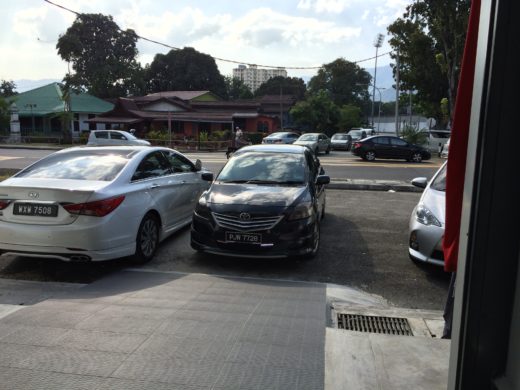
(139, 329)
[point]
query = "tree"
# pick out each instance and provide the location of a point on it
(236, 89)
(345, 82)
(349, 117)
(430, 41)
(286, 85)
(185, 70)
(317, 113)
(103, 56)
(7, 89)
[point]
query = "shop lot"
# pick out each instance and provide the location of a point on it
(364, 245)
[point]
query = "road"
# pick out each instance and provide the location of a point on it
(338, 164)
(364, 245)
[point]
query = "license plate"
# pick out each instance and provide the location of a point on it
(247, 238)
(35, 209)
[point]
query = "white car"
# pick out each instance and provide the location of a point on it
(114, 138)
(427, 221)
(99, 203)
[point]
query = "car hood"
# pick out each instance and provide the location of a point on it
(436, 203)
(305, 143)
(253, 194)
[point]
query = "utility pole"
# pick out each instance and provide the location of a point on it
(378, 42)
(397, 96)
(281, 110)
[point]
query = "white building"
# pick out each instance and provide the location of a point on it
(254, 77)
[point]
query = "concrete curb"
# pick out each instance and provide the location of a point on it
(372, 185)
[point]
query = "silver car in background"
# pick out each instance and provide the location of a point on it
(317, 142)
(114, 138)
(428, 220)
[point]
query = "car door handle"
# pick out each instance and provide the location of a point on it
(154, 186)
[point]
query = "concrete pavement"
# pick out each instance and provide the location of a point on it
(140, 329)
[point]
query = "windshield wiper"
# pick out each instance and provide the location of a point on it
(258, 181)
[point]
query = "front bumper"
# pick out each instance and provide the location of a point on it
(425, 243)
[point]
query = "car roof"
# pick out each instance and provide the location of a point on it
(282, 132)
(129, 148)
(296, 149)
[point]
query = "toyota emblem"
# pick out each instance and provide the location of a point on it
(244, 216)
(34, 195)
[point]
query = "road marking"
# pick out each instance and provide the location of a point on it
(378, 165)
(5, 158)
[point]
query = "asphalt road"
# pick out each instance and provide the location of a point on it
(364, 245)
(338, 164)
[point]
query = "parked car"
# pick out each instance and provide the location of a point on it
(341, 141)
(317, 142)
(114, 138)
(389, 147)
(428, 219)
(98, 203)
(267, 202)
(445, 149)
(281, 137)
(358, 133)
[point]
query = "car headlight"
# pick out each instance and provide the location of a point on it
(202, 209)
(302, 211)
(426, 217)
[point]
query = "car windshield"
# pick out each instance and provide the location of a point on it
(308, 137)
(355, 133)
(340, 136)
(264, 168)
(278, 135)
(79, 165)
(439, 183)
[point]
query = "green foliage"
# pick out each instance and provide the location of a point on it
(254, 138)
(286, 85)
(317, 113)
(5, 117)
(7, 88)
(344, 81)
(185, 70)
(430, 40)
(413, 135)
(236, 89)
(221, 135)
(203, 136)
(161, 135)
(103, 56)
(349, 117)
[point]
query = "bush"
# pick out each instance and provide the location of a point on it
(413, 135)
(254, 138)
(159, 135)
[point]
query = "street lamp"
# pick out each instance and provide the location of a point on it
(378, 42)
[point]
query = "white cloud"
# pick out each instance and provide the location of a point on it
(321, 6)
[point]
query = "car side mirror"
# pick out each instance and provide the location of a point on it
(198, 165)
(322, 180)
(420, 182)
(207, 176)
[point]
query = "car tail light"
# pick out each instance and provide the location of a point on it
(4, 204)
(357, 145)
(99, 208)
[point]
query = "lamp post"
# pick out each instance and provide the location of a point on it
(31, 106)
(373, 101)
(378, 42)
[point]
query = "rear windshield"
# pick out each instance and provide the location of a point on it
(79, 165)
(308, 137)
(439, 183)
(340, 136)
(355, 133)
(276, 168)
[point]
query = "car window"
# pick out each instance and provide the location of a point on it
(308, 137)
(101, 134)
(293, 136)
(179, 163)
(439, 183)
(340, 136)
(153, 165)
(264, 166)
(381, 140)
(117, 135)
(398, 142)
(79, 165)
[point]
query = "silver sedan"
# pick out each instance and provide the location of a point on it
(317, 142)
(428, 220)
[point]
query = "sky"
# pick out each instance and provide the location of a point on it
(288, 33)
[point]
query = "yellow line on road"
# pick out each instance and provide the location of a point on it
(5, 158)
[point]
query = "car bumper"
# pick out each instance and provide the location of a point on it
(339, 146)
(425, 243)
(287, 239)
(87, 239)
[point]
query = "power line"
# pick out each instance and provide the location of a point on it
(217, 58)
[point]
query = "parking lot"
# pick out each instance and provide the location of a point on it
(364, 245)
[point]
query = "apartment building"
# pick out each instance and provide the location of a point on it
(253, 77)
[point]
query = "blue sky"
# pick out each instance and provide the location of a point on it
(283, 33)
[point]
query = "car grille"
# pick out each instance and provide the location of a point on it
(234, 222)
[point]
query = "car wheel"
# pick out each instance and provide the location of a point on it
(147, 239)
(370, 155)
(416, 157)
(316, 242)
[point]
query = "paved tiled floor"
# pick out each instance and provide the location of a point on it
(146, 330)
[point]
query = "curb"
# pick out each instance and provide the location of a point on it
(366, 185)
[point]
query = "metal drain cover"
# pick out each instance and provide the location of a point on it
(374, 324)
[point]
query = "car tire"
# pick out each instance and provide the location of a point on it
(316, 243)
(147, 239)
(370, 155)
(416, 157)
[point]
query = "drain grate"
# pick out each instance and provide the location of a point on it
(373, 324)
